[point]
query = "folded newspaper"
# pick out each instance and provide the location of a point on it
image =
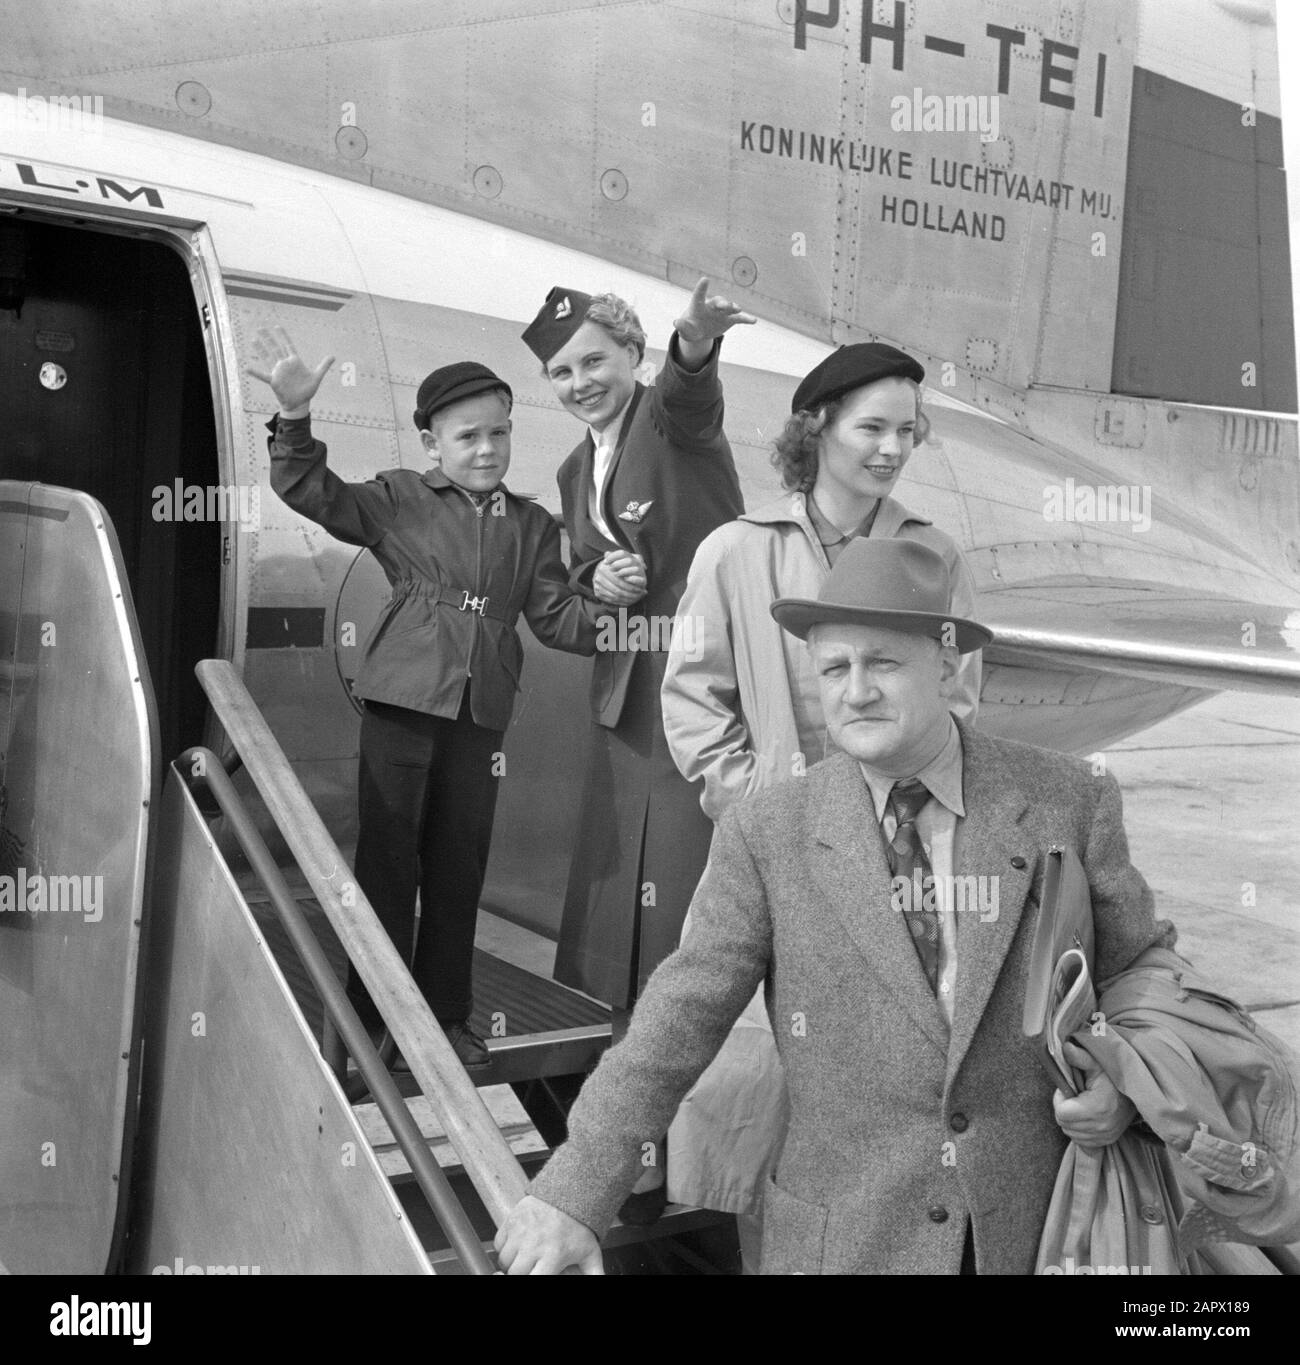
(1072, 1003)
(1059, 994)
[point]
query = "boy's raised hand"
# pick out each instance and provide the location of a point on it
(708, 316)
(285, 371)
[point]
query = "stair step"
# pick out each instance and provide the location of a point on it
(511, 1119)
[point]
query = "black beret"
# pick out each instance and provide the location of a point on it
(450, 384)
(564, 311)
(850, 367)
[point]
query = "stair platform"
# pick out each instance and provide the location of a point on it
(534, 1027)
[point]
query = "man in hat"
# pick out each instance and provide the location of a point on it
(465, 558)
(652, 476)
(924, 1136)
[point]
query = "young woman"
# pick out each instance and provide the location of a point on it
(741, 708)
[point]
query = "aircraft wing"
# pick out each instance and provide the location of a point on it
(1220, 644)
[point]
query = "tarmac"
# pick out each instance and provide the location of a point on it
(1212, 809)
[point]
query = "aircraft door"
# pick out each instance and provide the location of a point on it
(104, 387)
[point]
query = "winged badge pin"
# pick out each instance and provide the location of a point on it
(636, 510)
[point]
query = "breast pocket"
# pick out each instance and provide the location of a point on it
(794, 1233)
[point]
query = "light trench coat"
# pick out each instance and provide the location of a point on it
(742, 711)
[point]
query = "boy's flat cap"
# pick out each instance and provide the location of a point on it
(450, 384)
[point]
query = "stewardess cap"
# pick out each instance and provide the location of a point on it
(564, 311)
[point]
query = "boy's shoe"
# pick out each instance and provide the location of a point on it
(467, 1045)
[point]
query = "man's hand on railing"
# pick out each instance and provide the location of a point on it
(538, 1239)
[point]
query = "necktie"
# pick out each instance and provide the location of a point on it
(906, 860)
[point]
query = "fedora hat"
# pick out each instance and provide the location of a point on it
(896, 584)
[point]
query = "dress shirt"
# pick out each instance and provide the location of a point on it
(606, 443)
(937, 826)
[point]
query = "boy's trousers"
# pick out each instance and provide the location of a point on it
(426, 797)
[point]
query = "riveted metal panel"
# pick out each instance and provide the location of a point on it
(701, 136)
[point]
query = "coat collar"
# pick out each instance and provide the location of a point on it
(791, 509)
(433, 477)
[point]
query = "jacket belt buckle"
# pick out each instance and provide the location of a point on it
(477, 604)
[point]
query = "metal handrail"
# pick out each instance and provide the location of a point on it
(205, 768)
(456, 1103)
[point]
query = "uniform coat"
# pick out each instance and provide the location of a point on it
(644, 840)
(898, 1133)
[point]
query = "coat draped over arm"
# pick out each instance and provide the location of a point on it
(1215, 1162)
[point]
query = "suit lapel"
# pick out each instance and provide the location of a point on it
(849, 865)
(991, 836)
(587, 537)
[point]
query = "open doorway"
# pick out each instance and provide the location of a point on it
(104, 387)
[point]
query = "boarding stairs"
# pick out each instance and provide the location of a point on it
(196, 1093)
(543, 1038)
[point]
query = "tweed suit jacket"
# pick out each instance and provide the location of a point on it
(898, 1133)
